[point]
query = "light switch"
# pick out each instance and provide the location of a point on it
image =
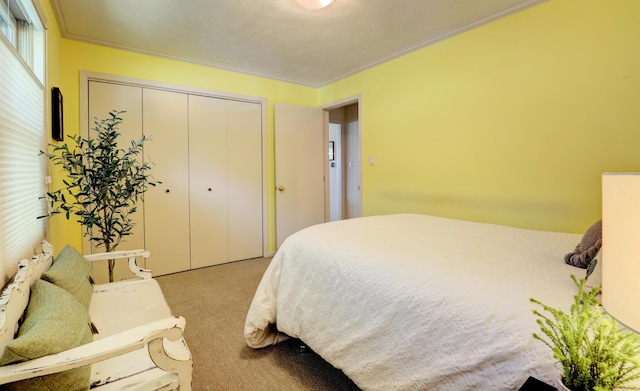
(372, 160)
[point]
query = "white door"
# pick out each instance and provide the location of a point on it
(244, 133)
(299, 168)
(166, 212)
(225, 170)
(335, 171)
(208, 152)
(208, 180)
(104, 98)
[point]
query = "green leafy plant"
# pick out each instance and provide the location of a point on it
(102, 183)
(594, 351)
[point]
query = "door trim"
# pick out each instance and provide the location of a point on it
(357, 99)
(86, 76)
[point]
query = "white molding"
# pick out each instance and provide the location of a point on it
(346, 101)
(308, 83)
(357, 98)
(435, 39)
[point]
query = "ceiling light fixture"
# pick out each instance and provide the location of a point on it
(313, 5)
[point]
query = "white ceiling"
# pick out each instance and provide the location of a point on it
(277, 38)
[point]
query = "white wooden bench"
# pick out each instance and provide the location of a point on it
(139, 344)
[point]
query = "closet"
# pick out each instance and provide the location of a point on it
(207, 151)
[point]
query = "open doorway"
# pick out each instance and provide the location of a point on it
(344, 167)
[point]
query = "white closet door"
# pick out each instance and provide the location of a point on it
(245, 180)
(104, 98)
(166, 216)
(208, 174)
(207, 151)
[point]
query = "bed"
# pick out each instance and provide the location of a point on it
(417, 302)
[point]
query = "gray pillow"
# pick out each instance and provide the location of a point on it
(588, 247)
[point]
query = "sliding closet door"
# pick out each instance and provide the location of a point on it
(208, 181)
(104, 98)
(166, 217)
(207, 151)
(225, 155)
(245, 179)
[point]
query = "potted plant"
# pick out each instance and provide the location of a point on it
(103, 183)
(594, 351)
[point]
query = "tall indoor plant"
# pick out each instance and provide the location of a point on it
(103, 182)
(594, 351)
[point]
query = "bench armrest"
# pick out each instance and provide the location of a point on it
(130, 254)
(150, 334)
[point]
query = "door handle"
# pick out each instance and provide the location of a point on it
(280, 189)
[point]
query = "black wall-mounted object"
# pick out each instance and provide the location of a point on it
(57, 125)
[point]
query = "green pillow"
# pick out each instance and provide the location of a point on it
(71, 271)
(54, 321)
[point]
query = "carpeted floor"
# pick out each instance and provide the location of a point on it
(215, 301)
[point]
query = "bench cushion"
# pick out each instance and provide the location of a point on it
(144, 303)
(54, 321)
(71, 271)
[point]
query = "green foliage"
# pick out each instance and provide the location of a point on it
(103, 182)
(594, 351)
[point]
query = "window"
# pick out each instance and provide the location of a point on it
(6, 26)
(22, 26)
(22, 134)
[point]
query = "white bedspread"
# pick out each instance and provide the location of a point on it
(415, 302)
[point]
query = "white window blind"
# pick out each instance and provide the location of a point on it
(22, 171)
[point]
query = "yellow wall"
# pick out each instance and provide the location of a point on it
(512, 122)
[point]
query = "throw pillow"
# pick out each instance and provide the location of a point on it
(71, 271)
(54, 321)
(588, 247)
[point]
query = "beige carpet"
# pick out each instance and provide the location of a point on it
(215, 301)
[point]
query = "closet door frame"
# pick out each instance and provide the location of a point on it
(86, 122)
